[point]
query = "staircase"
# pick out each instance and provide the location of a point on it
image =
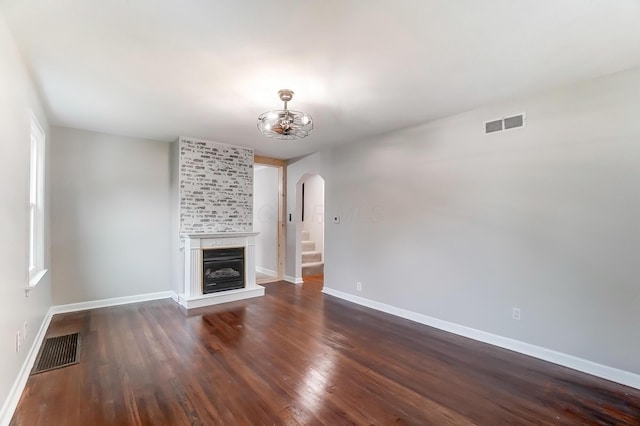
(312, 263)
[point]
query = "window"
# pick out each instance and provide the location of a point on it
(36, 204)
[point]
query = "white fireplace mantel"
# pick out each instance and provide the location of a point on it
(194, 243)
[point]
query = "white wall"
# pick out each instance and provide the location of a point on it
(314, 164)
(265, 218)
(17, 98)
(111, 216)
(445, 221)
(314, 210)
(177, 247)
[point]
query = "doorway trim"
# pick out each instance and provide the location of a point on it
(281, 165)
(299, 195)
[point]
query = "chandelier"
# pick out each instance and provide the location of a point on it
(284, 123)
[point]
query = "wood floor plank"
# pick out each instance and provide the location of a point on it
(297, 356)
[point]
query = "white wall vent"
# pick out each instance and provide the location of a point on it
(505, 123)
(493, 126)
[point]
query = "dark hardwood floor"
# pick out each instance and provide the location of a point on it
(315, 282)
(297, 356)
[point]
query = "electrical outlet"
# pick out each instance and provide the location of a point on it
(516, 314)
(359, 286)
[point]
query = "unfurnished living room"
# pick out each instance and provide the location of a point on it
(319, 212)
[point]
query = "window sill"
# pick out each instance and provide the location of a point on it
(35, 278)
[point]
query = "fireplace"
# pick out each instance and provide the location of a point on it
(233, 250)
(222, 269)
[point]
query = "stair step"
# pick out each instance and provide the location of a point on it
(311, 256)
(308, 246)
(306, 236)
(313, 268)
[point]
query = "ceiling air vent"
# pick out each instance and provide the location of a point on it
(514, 121)
(493, 126)
(505, 123)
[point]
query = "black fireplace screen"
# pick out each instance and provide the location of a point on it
(222, 269)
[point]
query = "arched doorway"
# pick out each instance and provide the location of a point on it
(310, 235)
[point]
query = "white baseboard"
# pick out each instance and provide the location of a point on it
(609, 373)
(266, 271)
(103, 303)
(220, 297)
(293, 280)
(15, 393)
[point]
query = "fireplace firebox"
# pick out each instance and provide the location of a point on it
(222, 269)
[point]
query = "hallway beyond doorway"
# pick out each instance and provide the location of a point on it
(313, 281)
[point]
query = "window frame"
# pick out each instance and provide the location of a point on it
(35, 265)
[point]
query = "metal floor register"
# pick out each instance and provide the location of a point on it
(58, 352)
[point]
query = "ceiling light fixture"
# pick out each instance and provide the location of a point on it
(284, 123)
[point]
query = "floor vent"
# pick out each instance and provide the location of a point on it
(58, 352)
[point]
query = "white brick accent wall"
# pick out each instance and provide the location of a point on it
(216, 187)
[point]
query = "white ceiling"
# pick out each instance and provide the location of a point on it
(204, 68)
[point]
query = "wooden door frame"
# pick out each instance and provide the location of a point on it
(281, 165)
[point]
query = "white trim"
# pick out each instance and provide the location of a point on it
(220, 297)
(15, 393)
(266, 271)
(609, 373)
(37, 160)
(293, 280)
(103, 303)
(218, 235)
(35, 278)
